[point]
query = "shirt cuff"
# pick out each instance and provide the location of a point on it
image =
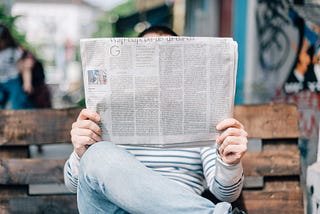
(228, 174)
(74, 162)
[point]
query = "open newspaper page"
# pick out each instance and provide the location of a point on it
(160, 91)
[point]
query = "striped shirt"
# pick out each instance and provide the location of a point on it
(193, 168)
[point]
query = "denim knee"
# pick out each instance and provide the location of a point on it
(100, 160)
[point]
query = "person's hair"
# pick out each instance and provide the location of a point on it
(158, 29)
(6, 36)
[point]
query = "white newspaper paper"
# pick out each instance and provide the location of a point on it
(160, 91)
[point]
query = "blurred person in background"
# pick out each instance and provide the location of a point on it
(11, 66)
(33, 81)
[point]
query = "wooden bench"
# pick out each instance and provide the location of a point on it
(18, 131)
(272, 163)
(272, 166)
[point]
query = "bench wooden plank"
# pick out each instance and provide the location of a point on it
(275, 197)
(272, 163)
(23, 171)
(31, 171)
(25, 127)
(62, 204)
(288, 183)
(273, 202)
(10, 191)
(269, 121)
(41, 126)
(273, 206)
(280, 144)
(14, 152)
(293, 195)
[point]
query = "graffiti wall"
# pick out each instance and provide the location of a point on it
(288, 62)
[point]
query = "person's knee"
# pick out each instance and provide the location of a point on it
(99, 159)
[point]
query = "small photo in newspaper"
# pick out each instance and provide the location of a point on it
(97, 77)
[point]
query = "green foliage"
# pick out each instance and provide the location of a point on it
(9, 21)
(105, 24)
(5, 18)
(125, 9)
(82, 103)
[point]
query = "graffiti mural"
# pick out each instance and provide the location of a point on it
(289, 49)
(271, 17)
(305, 73)
(288, 63)
(285, 28)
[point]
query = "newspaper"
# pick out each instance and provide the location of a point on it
(160, 91)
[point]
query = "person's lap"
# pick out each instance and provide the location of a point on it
(110, 178)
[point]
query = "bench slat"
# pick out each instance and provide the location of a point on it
(291, 195)
(266, 202)
(10, 191)
(62, 204)
(31, 171)
(36, 171)
(269, 121)
(14, 152)
(272, 163)
(290, 183)
(26, 127)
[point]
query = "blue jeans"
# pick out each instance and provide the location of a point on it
(112, 180)
(13, 92)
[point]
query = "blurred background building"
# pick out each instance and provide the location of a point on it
(278, 44)
(54, 27)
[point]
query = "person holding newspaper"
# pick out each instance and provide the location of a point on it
(110, 178)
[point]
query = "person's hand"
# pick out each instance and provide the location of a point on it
(27, 87)
(85, 131)
(232, 142)
(25, 67)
